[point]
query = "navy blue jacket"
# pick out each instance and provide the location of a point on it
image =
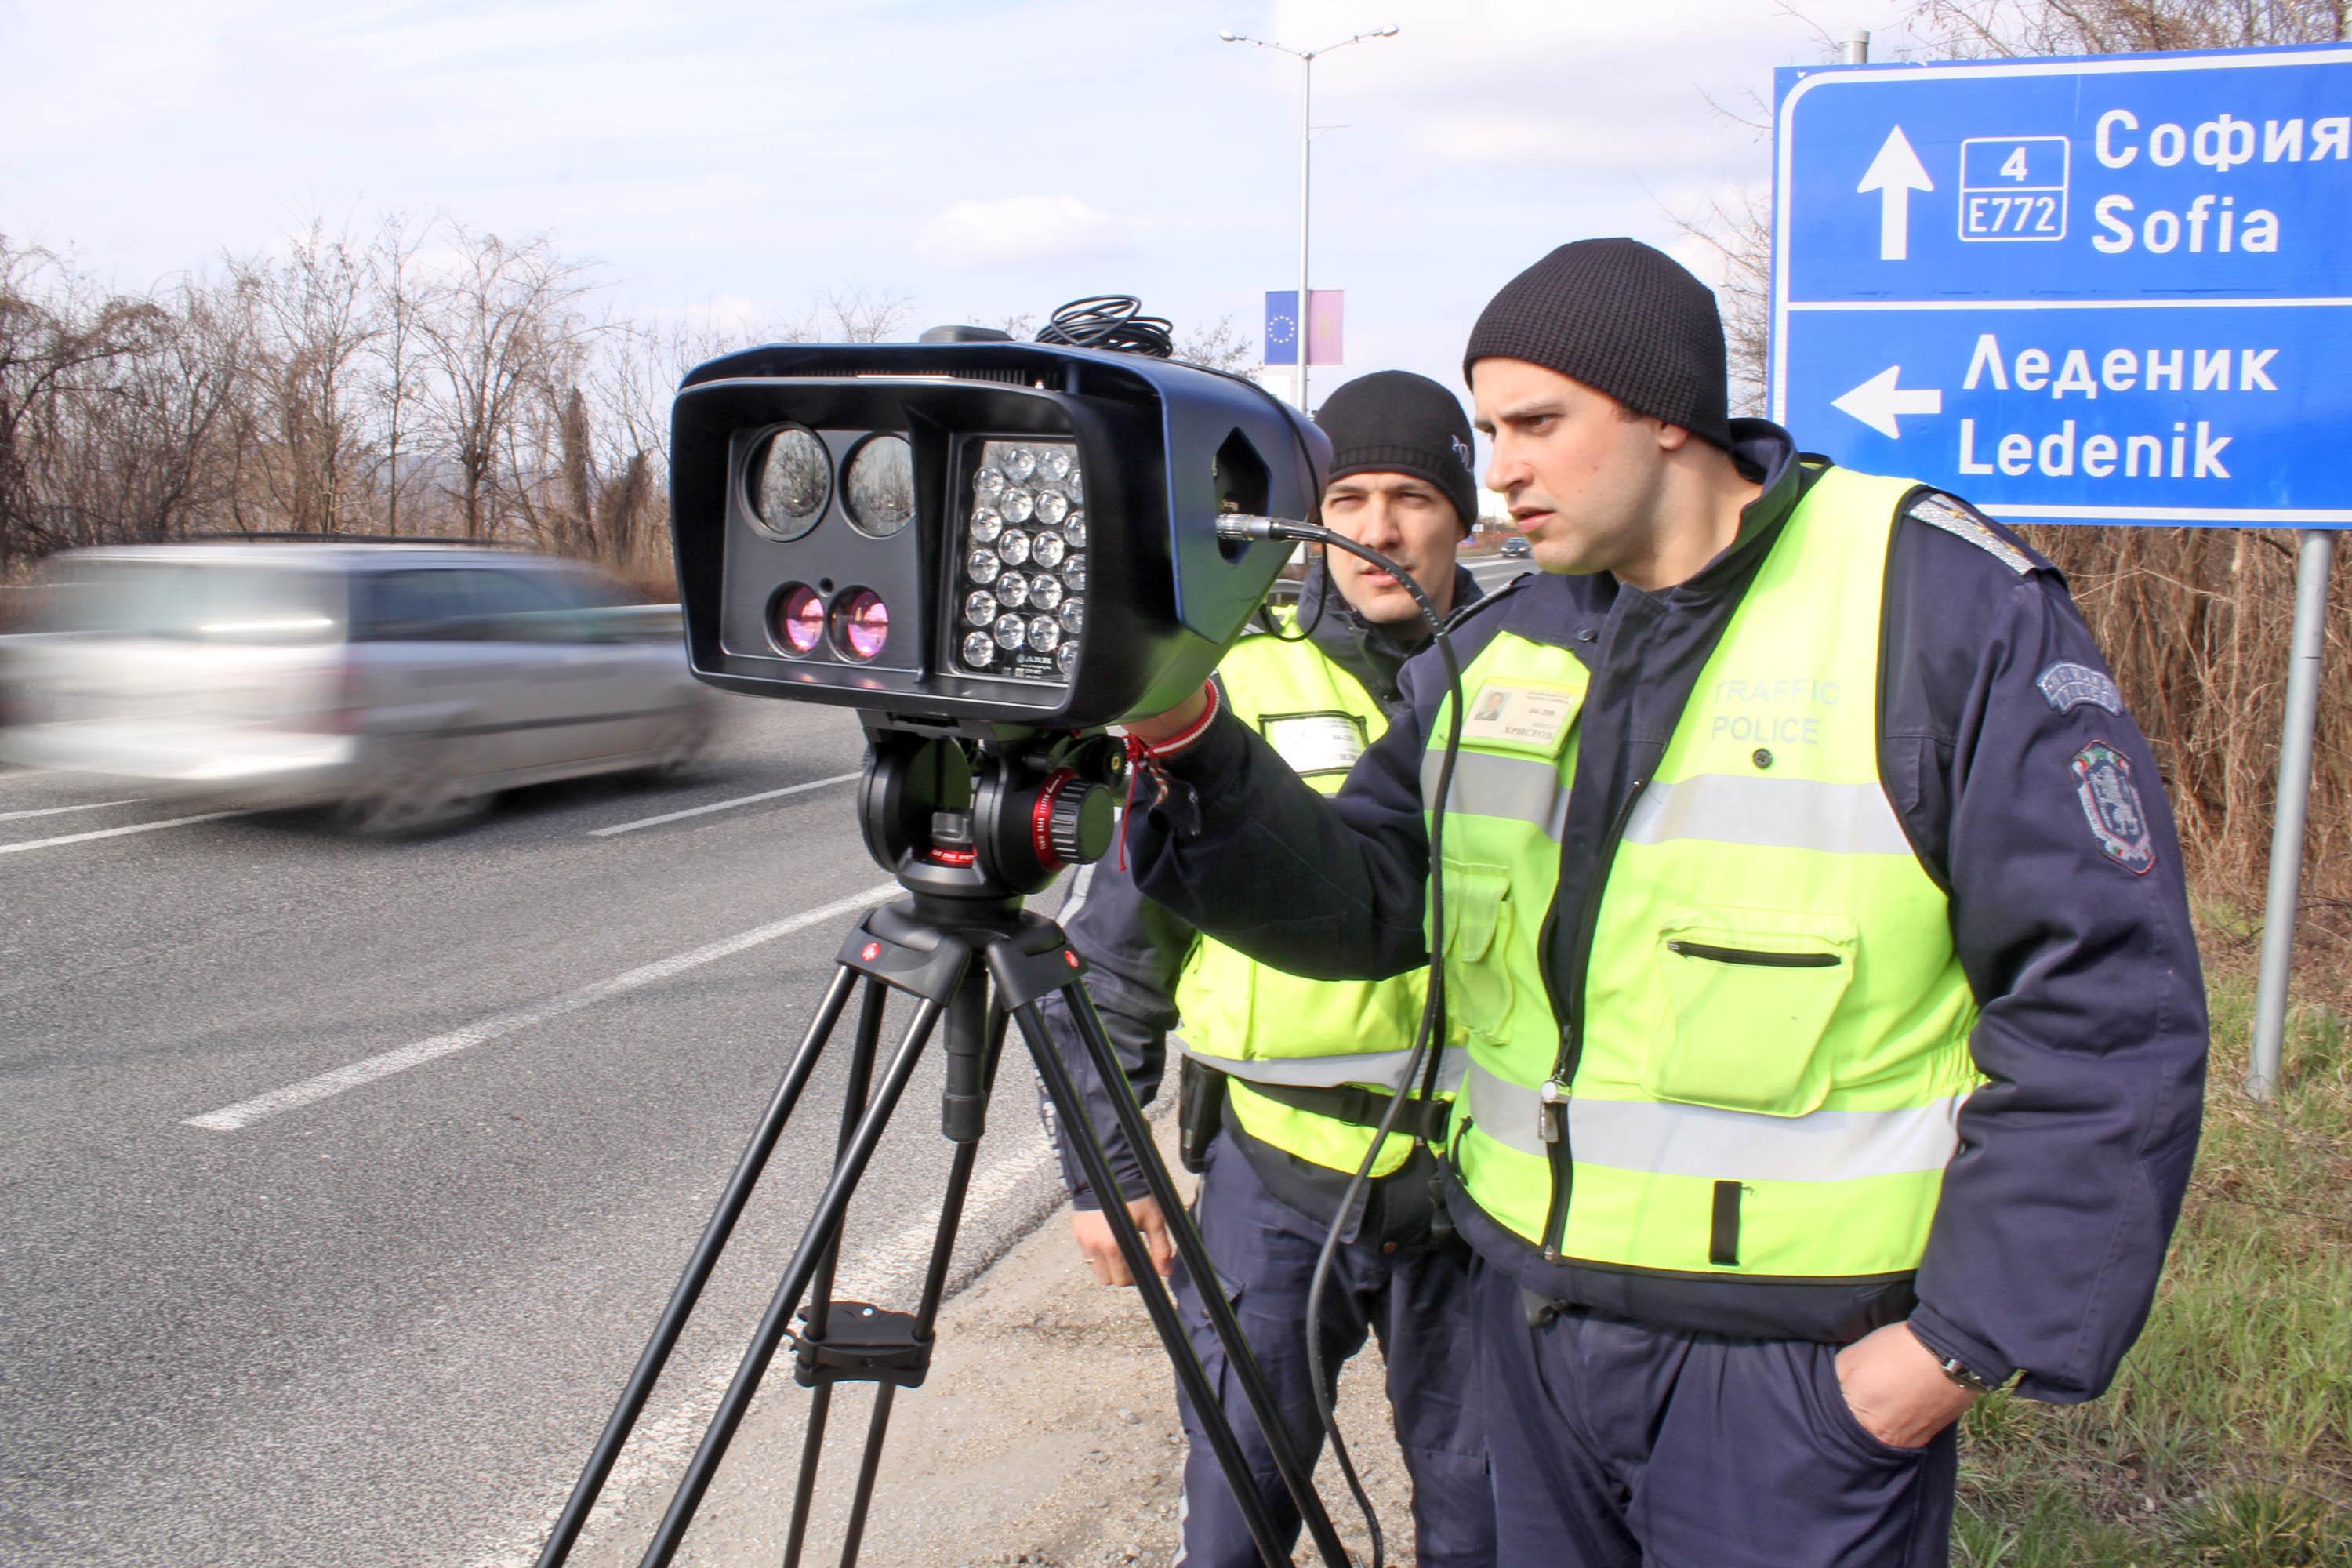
(2009, 758)
(1135, 949)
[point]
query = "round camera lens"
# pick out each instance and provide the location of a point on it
(792, 479)
(862, 624)
(881, 486)
(799, 618)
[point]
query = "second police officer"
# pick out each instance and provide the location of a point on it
(1283, 1075)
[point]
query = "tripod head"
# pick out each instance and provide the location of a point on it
(963, 816)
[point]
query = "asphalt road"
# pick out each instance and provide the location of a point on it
(344, 1180)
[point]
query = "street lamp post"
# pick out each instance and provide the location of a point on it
(1306, 163)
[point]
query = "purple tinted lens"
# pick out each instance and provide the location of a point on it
(800, 620)
(865, 625)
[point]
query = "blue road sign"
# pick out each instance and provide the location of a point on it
(2112, 289)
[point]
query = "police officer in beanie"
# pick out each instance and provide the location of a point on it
(1814, 912)
(1285, 1079)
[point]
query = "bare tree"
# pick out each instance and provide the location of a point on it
(1975, 29)
(1218, 346)
(503, 312)
(406, 297)
(314, 318)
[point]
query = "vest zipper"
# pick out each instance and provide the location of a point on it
(1555, 1093)
(1753, 958)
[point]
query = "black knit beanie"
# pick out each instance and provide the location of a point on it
(1622, 318)
(1394, 422)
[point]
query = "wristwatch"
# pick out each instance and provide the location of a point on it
(1955, 1369)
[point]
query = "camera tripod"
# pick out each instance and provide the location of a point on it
(968, 828)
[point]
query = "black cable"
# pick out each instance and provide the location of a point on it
(1110, 321)
(1432, 1012)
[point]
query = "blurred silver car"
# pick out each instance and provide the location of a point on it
(406, 684)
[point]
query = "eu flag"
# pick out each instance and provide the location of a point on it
(1282, 326)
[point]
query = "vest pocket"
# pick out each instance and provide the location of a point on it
(1478, 990)
(1751, 993)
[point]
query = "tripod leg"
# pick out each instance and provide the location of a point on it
(853, 1103)
(698, 1267)
(830, 1205)
(1296, 1475)
(975, 1049)
(1070, 1106)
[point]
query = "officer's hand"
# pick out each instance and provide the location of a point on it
(1095, 1244)
(1896, 1389)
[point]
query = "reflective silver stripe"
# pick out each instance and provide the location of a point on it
(1524, 789)
(1787, 813)
(1725, 1145)
(1381, 1067)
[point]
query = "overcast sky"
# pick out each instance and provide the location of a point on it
(987, 159)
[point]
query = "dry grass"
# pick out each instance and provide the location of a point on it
(2227, 1439)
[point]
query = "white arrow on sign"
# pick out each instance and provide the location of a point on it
(1894, 173)
(1877, 401)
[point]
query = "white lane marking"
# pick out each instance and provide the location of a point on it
(720, 806)
(119, 832)
(61, 810)
(244, 1113)
(892, 1269)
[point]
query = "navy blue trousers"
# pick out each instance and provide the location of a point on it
(1417, 1301)
(1616, 1446)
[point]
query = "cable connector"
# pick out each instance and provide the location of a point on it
(1239, 526)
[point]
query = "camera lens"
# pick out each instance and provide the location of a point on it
(861, 623)
(881, 486)
(797, 618)
(792, 479)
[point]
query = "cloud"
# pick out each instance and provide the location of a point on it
(1019, 228)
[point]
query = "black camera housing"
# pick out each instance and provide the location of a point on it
(1165, 449)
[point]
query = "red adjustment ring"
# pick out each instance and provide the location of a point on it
(1041, 819)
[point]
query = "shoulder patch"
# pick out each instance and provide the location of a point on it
(1961, 520)
(2068, 685)
(2111, 803)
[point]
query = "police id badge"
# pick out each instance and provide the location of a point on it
(1522, 715)
(1328, 742)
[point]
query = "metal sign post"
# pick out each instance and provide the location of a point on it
(2111, 290)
